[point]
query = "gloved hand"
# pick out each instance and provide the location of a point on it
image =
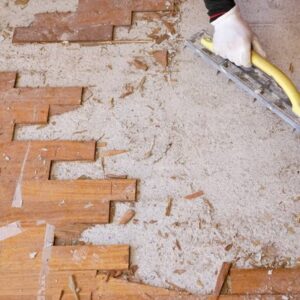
(233, 38)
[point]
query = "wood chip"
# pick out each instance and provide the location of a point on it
(170, 26)
(161, 57)
(179, 271)
(109, 153)
(141, 84)
(291, 68)
(178, 245)
(128, 90)
(159, 38)
(127, 217)
(21, 2)
(228, 247)
(169, 207)
(140, 65)
(194, 195)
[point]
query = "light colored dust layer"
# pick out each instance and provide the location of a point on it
(193, 131)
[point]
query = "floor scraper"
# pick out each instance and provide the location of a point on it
(264, 81)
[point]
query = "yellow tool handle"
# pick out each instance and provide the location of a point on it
(261, 63)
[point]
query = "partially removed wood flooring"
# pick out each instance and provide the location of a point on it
(93, 21)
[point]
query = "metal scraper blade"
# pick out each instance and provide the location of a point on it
(253, 81)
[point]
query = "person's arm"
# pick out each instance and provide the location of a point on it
(233, 38)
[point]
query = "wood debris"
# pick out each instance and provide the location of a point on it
(161, 57)
(170, 26)
(194, 195)
(226, 266)
(291, 68)
(178, 245)
(127, 217)
(127, 91)
(169, 207)
(21, 2)
(179, 271)
(228, 247)
(140, 65)
(141, 84)
(159, 38)
(109, 153)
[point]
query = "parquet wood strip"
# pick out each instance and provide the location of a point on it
(264, 281)
(31, 160)
(68, 258)
(48, 95)
(62, 33)
(130, 5)
(78, 190)
(20, 113)
(17, 284)
(124, 290)
(7, 80)
(68, 202)
(24, 251)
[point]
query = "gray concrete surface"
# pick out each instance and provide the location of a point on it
(192, 131)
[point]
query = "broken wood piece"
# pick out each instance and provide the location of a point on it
(265, 281)
(139, 64)
(120, 289)
(161, 57)
(127, 217)
(169, 207)
(110, 153)
(83, 258)
(170, 26)
(221, 279)
(128, 90)
(194, 195)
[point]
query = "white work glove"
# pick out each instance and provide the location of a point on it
(233, 38)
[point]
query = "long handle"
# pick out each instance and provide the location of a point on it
(261, 63)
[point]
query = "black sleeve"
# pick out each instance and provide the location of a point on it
(217, 8)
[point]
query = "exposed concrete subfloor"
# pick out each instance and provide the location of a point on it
(192, 131)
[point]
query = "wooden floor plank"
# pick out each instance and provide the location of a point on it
(79, 190)
(31, 160)
(20, 113)
(123, 290)
(61, 33)
(130, 5)
(24, 251)
(48, 95)
(68, 258)
(264, 281)
(68, 202)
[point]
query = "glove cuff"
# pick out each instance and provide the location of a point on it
(232, 13)
(217, 8)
